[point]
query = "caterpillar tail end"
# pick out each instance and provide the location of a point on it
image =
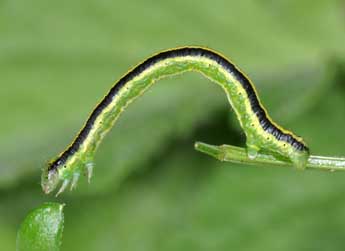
(252, 151)
(300, 160)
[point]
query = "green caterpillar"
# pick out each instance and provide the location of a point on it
(261, 132)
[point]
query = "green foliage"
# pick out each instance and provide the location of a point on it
(151, 190)
(42, 229)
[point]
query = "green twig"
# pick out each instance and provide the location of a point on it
(239, 155)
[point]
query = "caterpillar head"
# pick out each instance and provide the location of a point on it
(49, 179)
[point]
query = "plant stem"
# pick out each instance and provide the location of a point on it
(239, 155)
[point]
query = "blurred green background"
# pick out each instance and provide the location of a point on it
(151, 190)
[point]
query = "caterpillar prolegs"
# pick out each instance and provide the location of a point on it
(262, 134)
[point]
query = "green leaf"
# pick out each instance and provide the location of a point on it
(42, 228)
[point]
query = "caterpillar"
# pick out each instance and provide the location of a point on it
(262, 134)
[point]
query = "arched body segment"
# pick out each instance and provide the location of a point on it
(261, 132)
